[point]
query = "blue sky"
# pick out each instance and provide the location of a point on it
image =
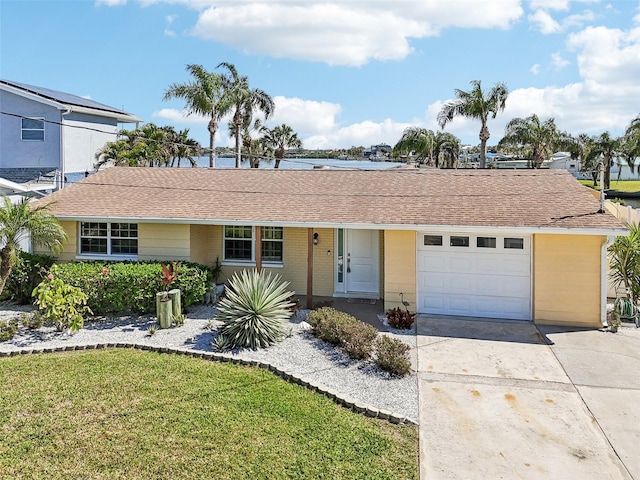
(342, 73)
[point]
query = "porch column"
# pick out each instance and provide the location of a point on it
(258, 231)
(309, 268)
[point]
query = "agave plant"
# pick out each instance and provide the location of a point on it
(254, 311)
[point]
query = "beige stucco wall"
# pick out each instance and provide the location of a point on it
(566, 279)
(163, 241)
(399, 268)
(206, 245)
(294, 261)
(69, 250)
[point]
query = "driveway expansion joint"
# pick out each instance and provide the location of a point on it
(496, 381)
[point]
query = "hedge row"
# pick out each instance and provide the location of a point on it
(114, 287)
(359, 340)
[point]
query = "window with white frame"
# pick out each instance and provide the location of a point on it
(103, 238)
(272, 244)
(33, 129)
(239, 244)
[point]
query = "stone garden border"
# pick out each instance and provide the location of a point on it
(339, 399)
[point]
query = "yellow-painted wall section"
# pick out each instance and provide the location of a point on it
(70, 247)
(206, 245)
(163, 241)
(399, 268)
(294, 262)
(566, 279)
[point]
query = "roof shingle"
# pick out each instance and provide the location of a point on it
(397, 197)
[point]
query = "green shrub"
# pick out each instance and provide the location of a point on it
(357, 339)
(114, 287)
(254, 311)
(392, 355)
(401, 319)
(33, 320)
(327, 322)
(7, 330)
(61, 303)
(27, 273)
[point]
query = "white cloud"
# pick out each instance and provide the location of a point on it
(558, 61)
(542, 21)
(179, 116)
(170, 19)
(110, 3)
(339, 33)
(169, 33)
(535, 69)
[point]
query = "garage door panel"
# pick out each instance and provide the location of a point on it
(475, 282)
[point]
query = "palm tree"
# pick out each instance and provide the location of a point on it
(182, 147)
(244, 101)
(447, 148)
(632, 141)
(539, 139)
(475, 104)
(204, 95)
(18, 222)
(420, 141)
(281, 138)
(604, 148)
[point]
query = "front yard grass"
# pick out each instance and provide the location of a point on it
(630, 186)
(130, 414)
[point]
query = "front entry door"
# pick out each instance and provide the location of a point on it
(360, 263)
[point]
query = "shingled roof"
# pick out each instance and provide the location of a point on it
(520, 199)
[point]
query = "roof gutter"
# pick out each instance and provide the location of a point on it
(358, 226)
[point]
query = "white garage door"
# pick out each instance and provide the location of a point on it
(474, 275)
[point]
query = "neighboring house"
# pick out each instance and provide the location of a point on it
(619, 169)
(46, 134)
(527, 245)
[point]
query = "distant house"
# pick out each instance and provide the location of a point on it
(46, 134)
(619, 169)
(527, 245)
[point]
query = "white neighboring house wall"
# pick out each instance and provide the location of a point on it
(619, 170)
(82, 136)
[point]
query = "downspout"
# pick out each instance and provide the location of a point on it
(604, 278)
(62, 163)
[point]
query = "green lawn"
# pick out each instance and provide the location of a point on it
(130, 414)
(619, 185)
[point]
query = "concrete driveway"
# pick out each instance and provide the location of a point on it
(509, 400)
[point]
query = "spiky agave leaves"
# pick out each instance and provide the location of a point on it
(254, 311)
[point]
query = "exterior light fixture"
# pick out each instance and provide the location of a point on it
(315, 238)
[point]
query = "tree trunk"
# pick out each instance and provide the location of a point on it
(484, 136)
(5, 266)
(213, 126)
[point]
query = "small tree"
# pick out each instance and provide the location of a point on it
(625, 262)
(18, 222)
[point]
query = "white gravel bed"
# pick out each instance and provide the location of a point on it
(300, 353)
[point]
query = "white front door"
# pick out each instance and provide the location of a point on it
(358, 263)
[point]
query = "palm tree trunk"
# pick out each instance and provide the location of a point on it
(484, 136)
(213, 126)
(5, 266)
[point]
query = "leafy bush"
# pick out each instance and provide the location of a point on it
(33, 320)
(401, 319)
(254, 311)
(8, 330)
(114, 287)
(27, 273)
(392, 355)
(61, 303)
(357, 339)
(327, 323)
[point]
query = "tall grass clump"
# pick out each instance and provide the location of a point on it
(254, 311)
